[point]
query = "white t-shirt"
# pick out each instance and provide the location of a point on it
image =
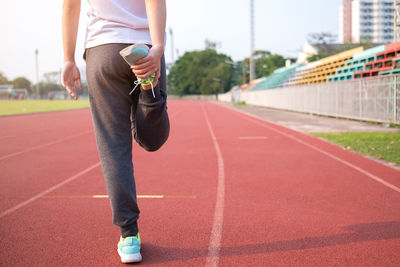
(117, 21)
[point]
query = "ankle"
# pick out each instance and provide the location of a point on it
(149, 86)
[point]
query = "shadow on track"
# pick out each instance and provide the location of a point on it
(357, 233)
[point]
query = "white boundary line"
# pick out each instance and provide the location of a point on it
(216, 232)
(61, 140)
(45, 192)
(44, 145)
(366, 173)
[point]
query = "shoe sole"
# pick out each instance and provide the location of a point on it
(130, 258)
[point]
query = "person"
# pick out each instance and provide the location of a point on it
(117, 115)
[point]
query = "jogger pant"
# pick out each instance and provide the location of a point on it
(116, 117)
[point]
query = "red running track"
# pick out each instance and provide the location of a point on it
(238, 191)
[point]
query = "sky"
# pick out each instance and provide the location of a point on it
(281, 26)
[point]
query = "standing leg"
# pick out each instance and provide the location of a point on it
(110, 80)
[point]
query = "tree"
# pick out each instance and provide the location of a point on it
(324, 41)
(22, 83)
(261, 54)
(321, 38)
(46, 87)
(52, 77)
(200, 72)
(317, 57)
(265, 66)
(366, 40)
(265, 63)
(3, 79)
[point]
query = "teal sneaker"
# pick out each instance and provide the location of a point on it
(133, 53)
(129, 249)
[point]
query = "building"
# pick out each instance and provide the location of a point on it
(366, 21)
(345, 22)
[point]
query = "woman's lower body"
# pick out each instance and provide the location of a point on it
(117, 116)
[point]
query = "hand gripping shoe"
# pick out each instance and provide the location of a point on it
(133, 53)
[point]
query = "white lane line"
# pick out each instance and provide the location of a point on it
(44, 145)
(106, 196)
(172, 116)
(366, 173)
(45, 192)
(216, 232)
(252, 137)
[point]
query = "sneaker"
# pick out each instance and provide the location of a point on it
(133, 53)
(129, 249)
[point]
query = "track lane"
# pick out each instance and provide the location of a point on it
(285, 204)
(177, 232)
(29, 172)
(293, 205)
(18, 133)
(170, 239)
(355, 161)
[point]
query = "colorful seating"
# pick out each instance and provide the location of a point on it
(318, 72)
(384, 62)
(277, 79)
(356, 64)
(351, 64)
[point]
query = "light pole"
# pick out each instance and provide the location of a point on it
(172, 45)
(37, 73)
(252, 68)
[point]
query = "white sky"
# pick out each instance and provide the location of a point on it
(281, 26)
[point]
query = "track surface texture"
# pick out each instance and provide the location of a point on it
(227, 189)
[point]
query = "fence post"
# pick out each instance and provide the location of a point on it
(395, 99)
(318, 100)
(359, 97)
(336, 100)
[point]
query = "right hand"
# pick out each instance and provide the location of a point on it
(69, 75)
(149, 64)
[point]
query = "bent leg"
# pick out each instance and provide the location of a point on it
(150, 117)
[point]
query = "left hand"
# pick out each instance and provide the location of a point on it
(70, 76)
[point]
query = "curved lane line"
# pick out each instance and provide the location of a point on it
(366, 173)
(216, 232)
(45, 192)
(44, 145)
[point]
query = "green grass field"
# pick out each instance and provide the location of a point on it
(379, 145)
(11, 107)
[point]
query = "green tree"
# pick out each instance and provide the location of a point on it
(321, 38)
(265, 66)
(46, 87)
(324, 40)
(201, 72)
(21, 83)
(265, 63)
(3, 79)
(317, 57)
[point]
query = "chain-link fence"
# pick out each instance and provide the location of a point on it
(372, 99)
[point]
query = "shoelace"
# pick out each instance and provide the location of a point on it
(136, 85)
(145, 82)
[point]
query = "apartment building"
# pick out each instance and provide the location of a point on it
(366, 21)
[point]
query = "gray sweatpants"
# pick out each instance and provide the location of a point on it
(116, 115)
